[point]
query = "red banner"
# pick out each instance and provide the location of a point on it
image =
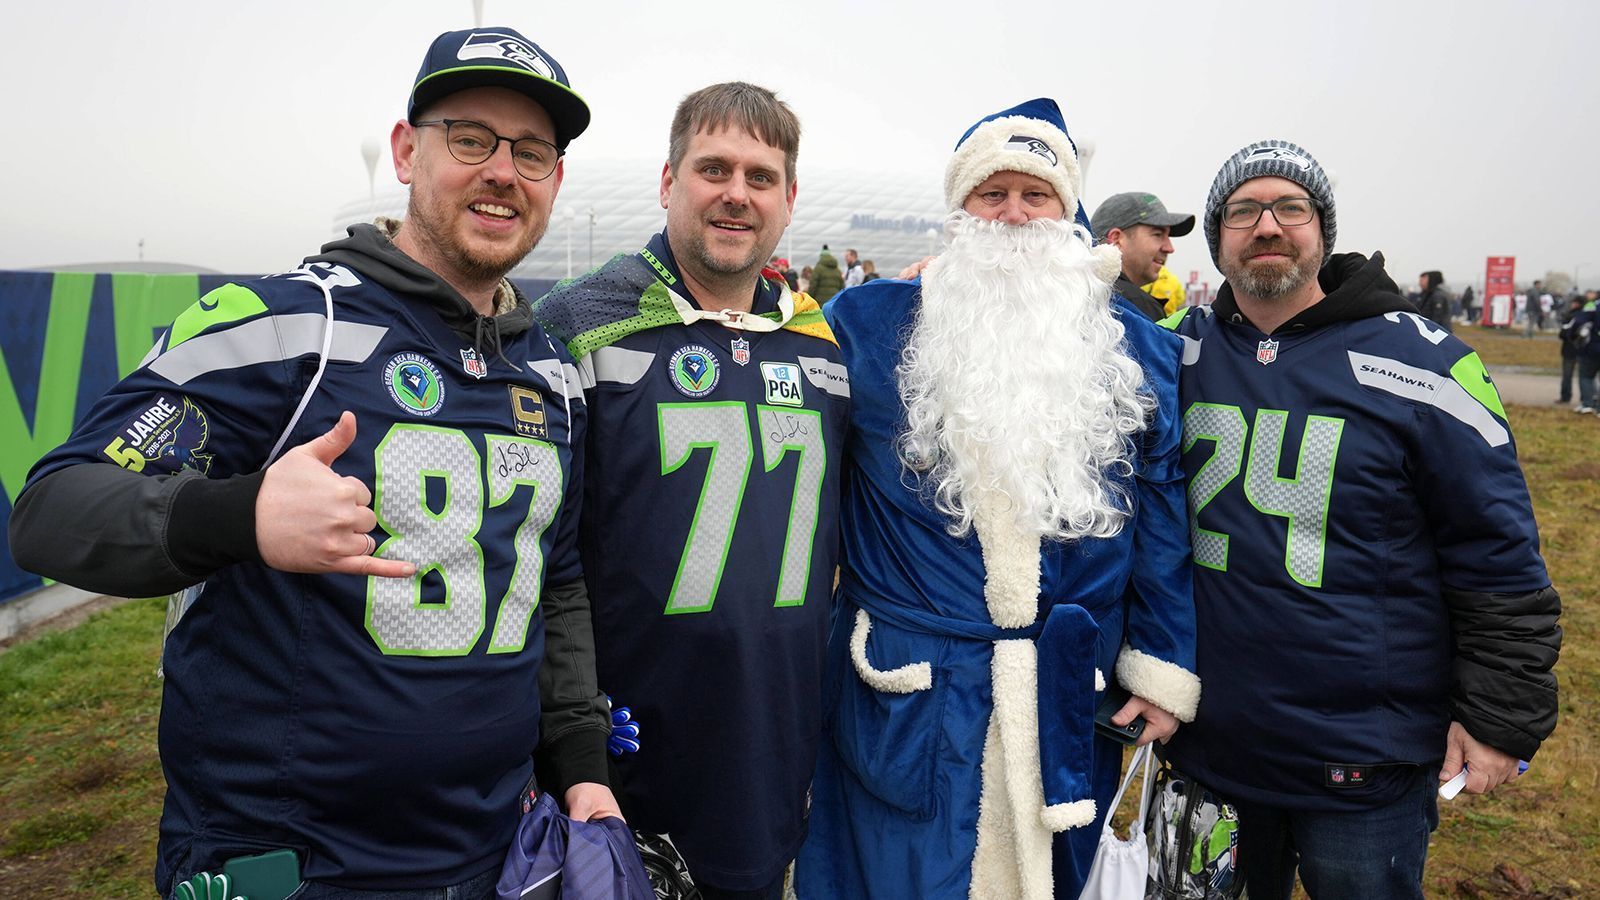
(1499, 290)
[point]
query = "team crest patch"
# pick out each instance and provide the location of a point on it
(694, 371)
(1277, 154)
(527, 412)
(169, 435)
(1032, 145)
(741, 351)
(499, 45)
(1266, 351)
(415, 383)
(473, 363)
(782, 382)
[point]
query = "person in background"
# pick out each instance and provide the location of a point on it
(826, 280)
(1138, 224)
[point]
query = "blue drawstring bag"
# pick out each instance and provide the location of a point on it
(554, 857)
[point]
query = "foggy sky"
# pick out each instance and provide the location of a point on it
(225, 134)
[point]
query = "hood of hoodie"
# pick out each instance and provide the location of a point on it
(1354, 286)
(369, 250)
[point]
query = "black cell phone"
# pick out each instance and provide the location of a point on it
(1114, 700)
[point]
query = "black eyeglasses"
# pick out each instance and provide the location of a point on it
(473, 143)
(1287, 211)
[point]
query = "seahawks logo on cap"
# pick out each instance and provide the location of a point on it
(498, 45)
(1268, 154)
(1032, 145)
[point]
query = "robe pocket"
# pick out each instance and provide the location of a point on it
(888, 732)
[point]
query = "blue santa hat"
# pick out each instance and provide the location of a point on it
(1031, 138)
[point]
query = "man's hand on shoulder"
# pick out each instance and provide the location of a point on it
(588, 800)
(309, 519)
(1487, 768)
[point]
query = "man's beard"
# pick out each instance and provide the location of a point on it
(439, 221)
(1264, 280)
(1016, 380)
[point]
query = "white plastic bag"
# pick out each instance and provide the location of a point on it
(1121, 866)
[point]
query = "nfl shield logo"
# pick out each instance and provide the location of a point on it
(1266, 351)
(473, 363)
(741, 351)
(1337, 775)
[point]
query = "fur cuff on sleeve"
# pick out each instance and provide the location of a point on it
(1061, 816)
(901, 680)
(1168, 686)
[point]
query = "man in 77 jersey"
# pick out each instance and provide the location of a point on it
(1373, 611)
(717, 405)
(360, 685)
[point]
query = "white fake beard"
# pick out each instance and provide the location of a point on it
(1015, 380)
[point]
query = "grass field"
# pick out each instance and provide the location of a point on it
(81, 789)
(1500, 347)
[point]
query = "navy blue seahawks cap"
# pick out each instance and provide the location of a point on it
(499, 57)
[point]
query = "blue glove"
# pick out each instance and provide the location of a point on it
(624, 731)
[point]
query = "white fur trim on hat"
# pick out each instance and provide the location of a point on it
(1014, 144)
(1165, 684)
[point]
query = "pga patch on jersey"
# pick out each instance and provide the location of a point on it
(167, 434)
(782, 382)
(694, 371)
(414, 383)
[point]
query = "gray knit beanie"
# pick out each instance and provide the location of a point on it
(1272, 157)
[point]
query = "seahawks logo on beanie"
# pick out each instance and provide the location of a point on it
(1032, 145)
(1282, 154)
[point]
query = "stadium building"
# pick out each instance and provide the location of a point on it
(608, 207)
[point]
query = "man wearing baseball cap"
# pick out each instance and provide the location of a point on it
(359, 680)
(1013, 452)
(1369, 620)
(1139, 225)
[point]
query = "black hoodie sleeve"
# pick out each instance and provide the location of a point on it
(103, 528)
(574, 716)
(1506, 644)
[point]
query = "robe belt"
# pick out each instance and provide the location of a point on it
(924, 622)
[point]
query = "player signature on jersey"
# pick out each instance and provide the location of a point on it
(513, 458)
(787, 425)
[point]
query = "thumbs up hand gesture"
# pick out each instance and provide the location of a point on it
(310, 519)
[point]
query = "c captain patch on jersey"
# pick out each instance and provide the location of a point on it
(783, 384)
(527, 409)
(694, 371)
(415, 383)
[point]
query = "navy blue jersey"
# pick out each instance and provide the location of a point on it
(382, 728)
(1343, 479)
(710, 541)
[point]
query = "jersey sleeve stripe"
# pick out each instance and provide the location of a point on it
(617, 365)
(271, 339)
(1443, 393)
